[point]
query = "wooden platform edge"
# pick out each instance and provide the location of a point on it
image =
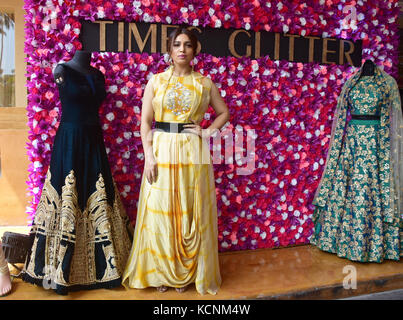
(337, 291)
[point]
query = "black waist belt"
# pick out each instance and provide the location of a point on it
(365, 117)
(172, 127)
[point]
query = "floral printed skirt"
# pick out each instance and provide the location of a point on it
(351, 224)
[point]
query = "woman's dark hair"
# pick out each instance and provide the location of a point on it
(182, 30)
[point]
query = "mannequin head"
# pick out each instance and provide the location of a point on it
(368, 68)
(81, 59)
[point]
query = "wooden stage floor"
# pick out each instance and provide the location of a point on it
(301, 272)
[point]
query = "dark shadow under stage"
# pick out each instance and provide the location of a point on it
(302, 272)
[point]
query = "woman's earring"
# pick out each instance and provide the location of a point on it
(192, 64)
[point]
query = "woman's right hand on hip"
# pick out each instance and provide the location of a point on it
(151, 168)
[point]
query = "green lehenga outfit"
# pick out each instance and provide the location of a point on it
(358, 202)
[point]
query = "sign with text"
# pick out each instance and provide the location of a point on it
(139, 37)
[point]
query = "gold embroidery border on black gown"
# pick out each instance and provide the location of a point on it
(60, 220)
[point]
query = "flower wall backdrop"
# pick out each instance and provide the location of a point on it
(290, 105)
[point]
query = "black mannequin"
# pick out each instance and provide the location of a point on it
(368, 68)
(80, 62)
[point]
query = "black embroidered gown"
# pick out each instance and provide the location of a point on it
(81, 234)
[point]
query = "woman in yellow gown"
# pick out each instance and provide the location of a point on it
(175, 240)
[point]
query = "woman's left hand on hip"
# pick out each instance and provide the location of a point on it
(193, 128)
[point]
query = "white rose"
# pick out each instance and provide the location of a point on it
(110, 116)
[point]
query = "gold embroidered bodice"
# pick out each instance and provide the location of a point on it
(365, 97)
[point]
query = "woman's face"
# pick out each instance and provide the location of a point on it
(182, 52)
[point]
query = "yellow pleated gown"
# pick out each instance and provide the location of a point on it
(175, 239)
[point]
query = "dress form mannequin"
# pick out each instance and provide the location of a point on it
(80, 62)
(368, 68)
(89, 248)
